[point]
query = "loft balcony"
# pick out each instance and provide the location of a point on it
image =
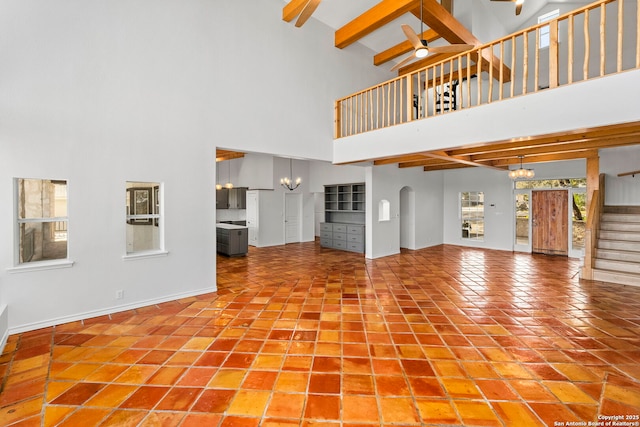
(555, 91)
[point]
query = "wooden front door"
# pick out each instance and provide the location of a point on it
(550, 222)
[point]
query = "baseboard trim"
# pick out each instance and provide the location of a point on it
(4, 328)
(102, 312)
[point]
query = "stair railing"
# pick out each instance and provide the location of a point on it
(592, 229)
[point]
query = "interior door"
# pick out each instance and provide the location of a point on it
(292, 207)
(252, 218)
(550, 222)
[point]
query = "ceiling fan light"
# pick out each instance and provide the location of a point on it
(421, 52)
(519, 2)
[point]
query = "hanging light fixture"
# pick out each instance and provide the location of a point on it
(287, 182)
(218, 185)
(229, 185)
(521, 173)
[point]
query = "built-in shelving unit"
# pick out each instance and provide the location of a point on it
(344, 213)
(345, 203)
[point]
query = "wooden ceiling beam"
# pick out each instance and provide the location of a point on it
(438, 19)
(424, 162)
(445, 167)
(624, 129)
(399, 159)
(222, 155)
(461, 159)
(593, 144)
(293, 9)
(550, 157)
(371, 20)
(402, 48)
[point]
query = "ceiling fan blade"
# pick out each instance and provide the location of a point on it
(412, 36)
(404, 62)
(453, 48)
(518, 8)
(307, 11)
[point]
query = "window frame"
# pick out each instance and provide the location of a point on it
(544, 30)
(468, 221)
(154, 218)
(45, 264)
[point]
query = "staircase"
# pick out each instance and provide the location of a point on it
(618, 250)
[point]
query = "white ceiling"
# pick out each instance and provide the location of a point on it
(336, 13)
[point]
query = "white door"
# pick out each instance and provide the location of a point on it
(252, 217)
(292, 207)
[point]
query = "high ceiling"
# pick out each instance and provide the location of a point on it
(377, 24)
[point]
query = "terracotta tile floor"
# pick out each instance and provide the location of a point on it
(304, 336)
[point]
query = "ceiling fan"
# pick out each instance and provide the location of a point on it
(306, 11)
(420, 47)
(518, 3)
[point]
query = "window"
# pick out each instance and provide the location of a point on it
(41, 220)
(551, 183)
(144, 217)
(544, 31)
(472, 215)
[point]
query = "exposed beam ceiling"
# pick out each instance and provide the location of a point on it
(371, 20)
(222, 155)
(579, 144)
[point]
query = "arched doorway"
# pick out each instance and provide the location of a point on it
(407, 218)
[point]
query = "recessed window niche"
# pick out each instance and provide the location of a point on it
(384, 211)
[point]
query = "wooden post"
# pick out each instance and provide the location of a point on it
(336, 120)
(553, 54)
(593, 177)
(591, 236)
(409, 105)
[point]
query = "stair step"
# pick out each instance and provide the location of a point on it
(619, 245)
(616, 277)
(629, 236)
(620, 226)
(618, 266)
(622, 209)
(620, 217)
(616, 255)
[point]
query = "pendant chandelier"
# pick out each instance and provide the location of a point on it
(287, 182)
(521, 173)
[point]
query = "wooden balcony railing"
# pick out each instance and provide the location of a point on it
(596, 40)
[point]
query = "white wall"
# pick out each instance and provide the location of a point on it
(325, 173)
(624, 190)
(498, 198)
(385, 183)
(104, 92)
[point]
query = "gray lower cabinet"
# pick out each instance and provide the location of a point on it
(347, 237)
(232, 241)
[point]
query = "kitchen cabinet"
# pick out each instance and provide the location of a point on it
(232, 240)
(238, 198)
(222, 198)
(231, 198)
